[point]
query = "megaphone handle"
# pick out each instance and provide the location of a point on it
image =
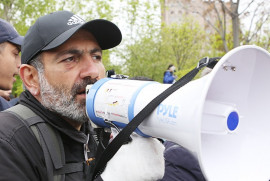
(124, 135)
(112, 125)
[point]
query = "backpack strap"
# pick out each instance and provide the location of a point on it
(50, 141)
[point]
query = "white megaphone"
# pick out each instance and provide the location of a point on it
(223, 118)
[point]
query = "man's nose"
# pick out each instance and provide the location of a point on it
(18, 62)
(90, 68)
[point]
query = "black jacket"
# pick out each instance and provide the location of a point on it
(180, 164)
(21, 156)
(4, 104)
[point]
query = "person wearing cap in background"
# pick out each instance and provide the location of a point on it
(47, 136)
(169, 77)
(10, 61)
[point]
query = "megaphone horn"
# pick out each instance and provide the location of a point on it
(222, 118)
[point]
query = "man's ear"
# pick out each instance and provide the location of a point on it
(29, 76)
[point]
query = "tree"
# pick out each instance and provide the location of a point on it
(257, 28)
(177, 44)
(142, 30)
(143, 58)
(220, 9)
(233, 12)
(183, 42)
(22, 13)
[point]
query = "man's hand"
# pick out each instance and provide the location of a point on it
(140, 160)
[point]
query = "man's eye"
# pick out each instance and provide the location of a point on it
(16, 53)
(69, 59)
(97, 57)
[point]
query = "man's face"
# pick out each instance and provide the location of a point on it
(10, 62)
(67, 71)
(172, 69)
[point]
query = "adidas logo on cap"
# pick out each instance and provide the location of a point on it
(75, 20)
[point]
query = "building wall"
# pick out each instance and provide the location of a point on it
(175, 10)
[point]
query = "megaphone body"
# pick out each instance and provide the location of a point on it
(222, 118)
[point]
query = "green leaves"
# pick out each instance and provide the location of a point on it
(178, 44)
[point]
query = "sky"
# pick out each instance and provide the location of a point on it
(247, 17)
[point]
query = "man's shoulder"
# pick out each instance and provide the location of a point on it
(167, 72)
(20, 151)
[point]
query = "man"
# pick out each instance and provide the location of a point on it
(61, 54)
(10, 61)
(169, 77)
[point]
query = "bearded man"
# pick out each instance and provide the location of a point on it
(48, 135)
(61, 54)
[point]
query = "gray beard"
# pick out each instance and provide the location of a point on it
(61, 100)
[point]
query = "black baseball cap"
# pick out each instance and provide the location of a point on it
(52, 30)
(9, 33)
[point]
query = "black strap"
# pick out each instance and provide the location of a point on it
(45, 135)
(53, 144)
(123, 136)
(50, 141)
(70, 168)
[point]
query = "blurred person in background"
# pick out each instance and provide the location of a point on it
(10, 61)
(169, 77)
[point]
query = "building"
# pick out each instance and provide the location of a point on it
(173, 11)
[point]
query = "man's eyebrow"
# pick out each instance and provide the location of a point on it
(70, 51)
(95, 50)
(18, 48)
